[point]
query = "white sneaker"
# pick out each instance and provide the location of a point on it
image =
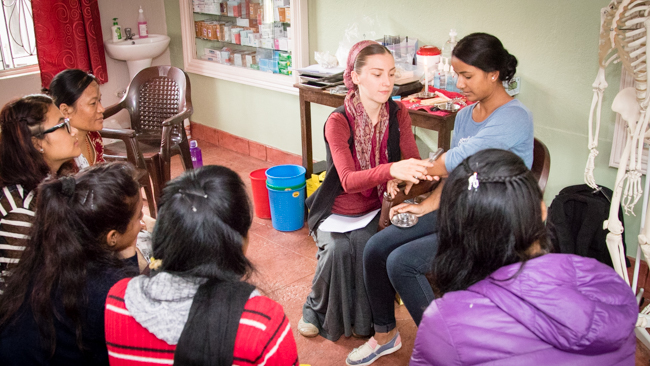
(371, 351)
(305, 329)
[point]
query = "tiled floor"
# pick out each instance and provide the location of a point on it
(285, 264)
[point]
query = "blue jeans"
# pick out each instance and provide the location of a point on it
(399, 259)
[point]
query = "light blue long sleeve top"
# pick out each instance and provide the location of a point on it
(509, 127)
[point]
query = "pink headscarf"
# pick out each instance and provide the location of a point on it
(352, 58)
(364, 137)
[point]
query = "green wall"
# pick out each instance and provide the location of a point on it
(555, 41)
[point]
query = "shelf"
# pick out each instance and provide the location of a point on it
(193, 48)
(238, 45)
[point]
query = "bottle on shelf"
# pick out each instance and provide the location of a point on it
(116, 31)
(143, 32)
(449, 45)
(195, 153)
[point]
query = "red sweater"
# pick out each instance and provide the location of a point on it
(351, 201)
(264, 335)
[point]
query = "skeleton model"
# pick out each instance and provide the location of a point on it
(623, 36)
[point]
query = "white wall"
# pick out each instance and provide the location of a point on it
(118, 75)
(16, 87)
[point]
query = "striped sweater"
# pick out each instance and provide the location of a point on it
(16, 217)
(264, 336)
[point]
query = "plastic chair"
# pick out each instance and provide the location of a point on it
(540, 169)
(134, 156)
(158, 101)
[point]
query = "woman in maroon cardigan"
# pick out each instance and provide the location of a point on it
(366, 140)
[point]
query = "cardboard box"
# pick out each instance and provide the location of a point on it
(251, 59)
(282, 15)
(226, 57)
(254, 9)
(283, 44)
(243, 22)
(237, 59)
(267, 43)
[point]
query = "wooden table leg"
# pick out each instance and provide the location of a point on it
(444, 140)
(305, 126)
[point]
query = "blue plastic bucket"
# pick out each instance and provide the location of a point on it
(287, 208)
(283, 176)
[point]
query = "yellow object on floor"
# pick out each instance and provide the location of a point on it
(314, 182)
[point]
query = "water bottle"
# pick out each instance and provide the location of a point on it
(195, 153)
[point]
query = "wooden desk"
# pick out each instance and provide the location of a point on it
(443, 125)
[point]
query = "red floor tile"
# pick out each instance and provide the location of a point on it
(285, 264)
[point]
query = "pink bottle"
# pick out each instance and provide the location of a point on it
(142, 25)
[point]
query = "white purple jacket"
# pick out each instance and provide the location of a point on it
(561, 309)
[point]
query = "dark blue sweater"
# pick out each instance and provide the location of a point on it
(22, 344)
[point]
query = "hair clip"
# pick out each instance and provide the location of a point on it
(204, 195)
(473, 182)
(154, 263)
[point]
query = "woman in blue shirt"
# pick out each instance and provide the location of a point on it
(397, 259)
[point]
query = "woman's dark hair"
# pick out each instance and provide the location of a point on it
(370, 50)
(203, 220)
(68, 85)
(489, 225)
(486, 52)
(68, 241)
(20, 161)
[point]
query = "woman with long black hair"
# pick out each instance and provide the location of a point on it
(197, 308)
(82, 242)
(36, 141)
(502, 298)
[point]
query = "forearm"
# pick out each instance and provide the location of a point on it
(439, 169)
(432, 203)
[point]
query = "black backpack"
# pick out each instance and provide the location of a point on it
(575, 222)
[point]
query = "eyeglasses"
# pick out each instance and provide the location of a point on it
(65, 123)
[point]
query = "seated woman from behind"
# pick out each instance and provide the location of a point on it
(195, 308)
(500, 298)
(36, 141)
(52, 311)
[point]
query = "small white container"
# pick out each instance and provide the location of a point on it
(429, 55)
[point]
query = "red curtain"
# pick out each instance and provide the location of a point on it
(68, 35)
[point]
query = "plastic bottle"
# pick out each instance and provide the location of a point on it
(451, 79)
(195, 153)
(443, 76)
(437, 75)
(143, 32)
(116, 31)
(455, 80)
(449, 45)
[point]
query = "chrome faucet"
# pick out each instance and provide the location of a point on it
(128, 34)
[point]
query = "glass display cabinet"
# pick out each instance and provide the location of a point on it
(253, 42)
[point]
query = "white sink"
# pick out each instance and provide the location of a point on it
(138, 52)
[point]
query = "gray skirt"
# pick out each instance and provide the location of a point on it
(338, 303)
